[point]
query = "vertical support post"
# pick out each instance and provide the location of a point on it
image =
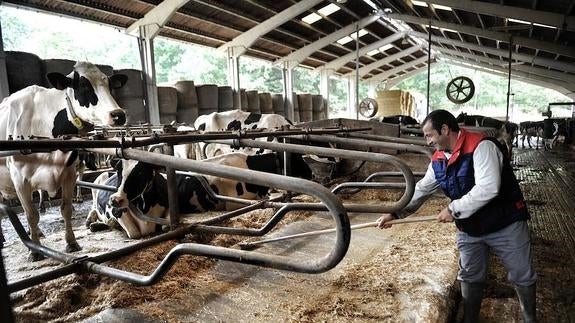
(234, 73)
(146, 44)
(428, 66)
(324, 85)
(356, 101)
(173, 202)
(4, 88)
(509, 77)
(353, 109)
(287, 74)
(5, 305)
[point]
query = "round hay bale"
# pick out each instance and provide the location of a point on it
(295, 102)
(23, 69)
(167, 100)
(244, 100)
(187, 110)
(135, 111)
(207, 98)
(64, 66)
(323, 112)
(187, 116)
(134, 87)
(236, 96)
(317, 106)
(225, 98)
(106, 69)
(278, 104)
(266, 102)
(167, 118)
(253, 101)
(305, 107)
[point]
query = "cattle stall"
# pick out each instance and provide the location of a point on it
(122, 148)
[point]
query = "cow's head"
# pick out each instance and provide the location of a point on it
(134, 178)
(89, 92)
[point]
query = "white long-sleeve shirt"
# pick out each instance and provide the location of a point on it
(487, 165)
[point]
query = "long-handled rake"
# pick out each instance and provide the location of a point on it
(254, 244)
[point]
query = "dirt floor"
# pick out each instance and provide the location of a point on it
(403, 274)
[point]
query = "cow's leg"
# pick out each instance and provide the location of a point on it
(66, 211)
(78, 198)
(24, 192)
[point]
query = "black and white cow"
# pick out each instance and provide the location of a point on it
(403, 120)
(506, 131)
(529, 129)
(235, 120)
(145, 187)
(77, 102)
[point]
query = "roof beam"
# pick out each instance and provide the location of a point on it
(339, 62)
(396, 80)
(304, 52)
(560, 76)
(246, 39)
(157, 17)
(500, 36)
(566, 86)
(366, 69)
(401, 68)
(500, 52)
(560, 21)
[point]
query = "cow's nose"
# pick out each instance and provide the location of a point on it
(116, 201)
(118, 116)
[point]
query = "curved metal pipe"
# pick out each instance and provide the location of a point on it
(345, 154)
(330, 201)
(417, 142)
(370, 143)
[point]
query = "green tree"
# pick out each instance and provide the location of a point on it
(166, 54)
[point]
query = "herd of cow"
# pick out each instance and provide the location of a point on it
(81, 100)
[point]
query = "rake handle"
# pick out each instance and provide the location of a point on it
(247, 245)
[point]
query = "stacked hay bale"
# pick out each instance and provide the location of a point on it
(168, 104)
(23, 69)
(305, 107)
(207, 98)
(225, 98)
(187, 110)
(395, 102)
(131, 96)
(266, 105)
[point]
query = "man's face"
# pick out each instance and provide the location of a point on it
(439, 140)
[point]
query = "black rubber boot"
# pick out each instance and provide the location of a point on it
(527, 302)
(472, 295)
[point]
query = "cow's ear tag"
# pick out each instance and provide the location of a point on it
(77, 123)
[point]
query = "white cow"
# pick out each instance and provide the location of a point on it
(75, 104)
(233, 120)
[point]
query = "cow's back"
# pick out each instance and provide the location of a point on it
(30, 112)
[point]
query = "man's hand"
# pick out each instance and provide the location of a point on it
(382, 221)
(444, 216)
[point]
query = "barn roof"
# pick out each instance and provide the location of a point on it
(393, 33)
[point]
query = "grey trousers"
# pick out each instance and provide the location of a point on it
(511, 244)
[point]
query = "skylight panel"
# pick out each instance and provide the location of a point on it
(419, 3)
(441, 7)
(345, 40)
(519, 21)
(311, 18)
(373, 52)
(329, 9)
(385, 47)
(362, 32)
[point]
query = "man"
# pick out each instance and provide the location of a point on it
(487, 206)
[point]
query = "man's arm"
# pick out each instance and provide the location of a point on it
(487, 164)
(423, 190)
